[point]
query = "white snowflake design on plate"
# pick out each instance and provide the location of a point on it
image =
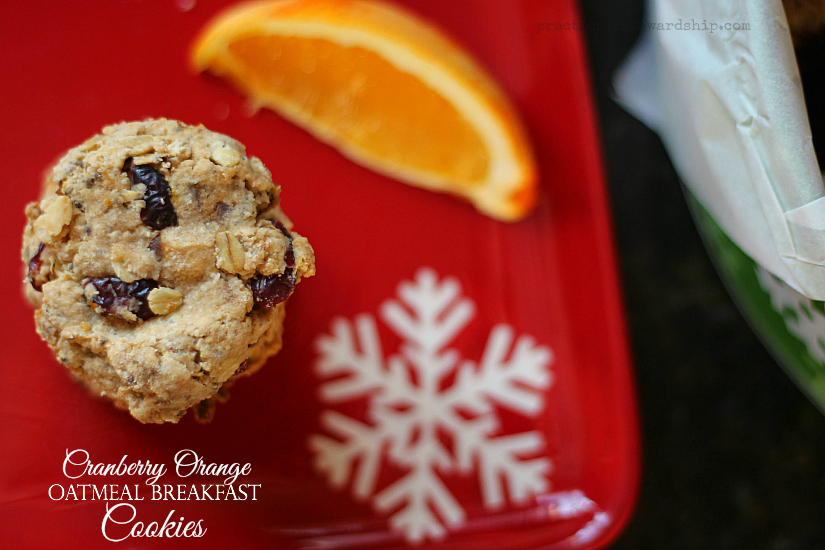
(408, 407)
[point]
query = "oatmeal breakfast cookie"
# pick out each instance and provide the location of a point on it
(159, 261)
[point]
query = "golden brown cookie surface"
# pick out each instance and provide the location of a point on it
(159, 261)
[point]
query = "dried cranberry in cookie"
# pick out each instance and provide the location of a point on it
(271, 291)
(111, 296)
(160, 261)
(158, 212)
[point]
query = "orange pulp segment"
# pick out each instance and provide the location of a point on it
(387, 89)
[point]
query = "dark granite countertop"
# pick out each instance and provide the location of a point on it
(733, 452)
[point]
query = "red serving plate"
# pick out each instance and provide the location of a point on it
(533, 447)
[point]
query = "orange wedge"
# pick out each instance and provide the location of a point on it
(385, 88)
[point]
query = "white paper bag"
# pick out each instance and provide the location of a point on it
(727, 103)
